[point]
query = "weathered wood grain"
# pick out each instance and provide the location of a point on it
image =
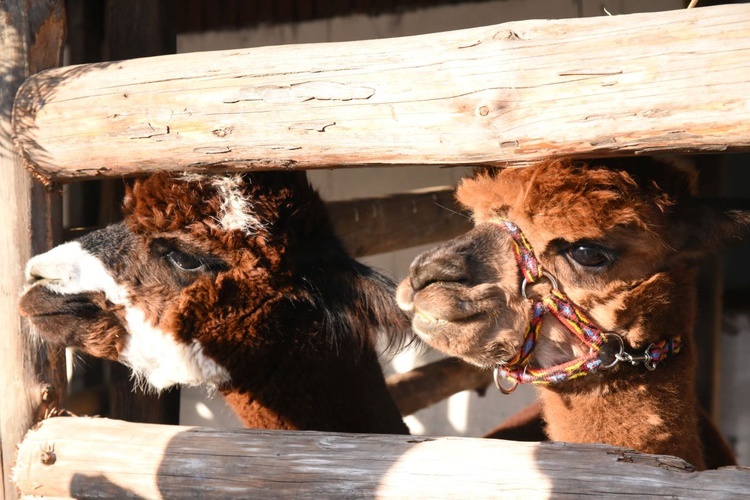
(85, 458)
(31, 381)
(507, 94)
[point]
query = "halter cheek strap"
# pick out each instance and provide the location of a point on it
(516, 369)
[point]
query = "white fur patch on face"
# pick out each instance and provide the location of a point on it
(154, 356)
(158, 358)
(236, 212)
(69, 269)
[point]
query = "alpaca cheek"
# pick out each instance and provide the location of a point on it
(155, 356)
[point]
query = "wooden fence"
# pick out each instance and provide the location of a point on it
(503, 95)
(84, 458)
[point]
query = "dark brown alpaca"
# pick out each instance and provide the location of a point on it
(620, 243)
(236, 282)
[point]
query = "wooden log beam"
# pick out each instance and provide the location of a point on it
(431, 383)
(369, 226)
(31, 379)
(508, 94)
(83, 458)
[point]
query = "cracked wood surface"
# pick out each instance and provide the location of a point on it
(508, 94)
(32, 379)
(84, 457)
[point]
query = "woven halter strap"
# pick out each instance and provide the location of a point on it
(516, 369)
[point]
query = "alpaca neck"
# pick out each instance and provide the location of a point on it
(652, 412)
(327, 391)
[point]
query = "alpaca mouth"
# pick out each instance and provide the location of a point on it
(39, 302)
(426, 324)
(59, 318)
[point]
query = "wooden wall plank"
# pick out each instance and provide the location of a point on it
(506, 94)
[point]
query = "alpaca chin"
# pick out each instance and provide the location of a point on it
(157, 358)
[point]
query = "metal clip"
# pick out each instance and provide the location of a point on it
(624, 357)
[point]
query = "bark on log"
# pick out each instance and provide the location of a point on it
(429, 384)
(31, 380)
(83, 458)
(513, 93)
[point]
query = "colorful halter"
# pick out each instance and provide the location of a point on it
(556, 303)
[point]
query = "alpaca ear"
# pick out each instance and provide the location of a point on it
(716, 224)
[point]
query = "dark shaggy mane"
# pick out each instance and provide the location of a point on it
(357, 304)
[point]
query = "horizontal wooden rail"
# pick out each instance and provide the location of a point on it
(83, 457)
(428, 384)
(510, 94)
(380, 224)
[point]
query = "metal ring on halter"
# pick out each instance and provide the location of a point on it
(498, 378)
(619, 356)
(545, 274)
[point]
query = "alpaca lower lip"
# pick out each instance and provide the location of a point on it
(427, 322)
(453, 310)
(58, 329)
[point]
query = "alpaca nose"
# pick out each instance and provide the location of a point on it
(440, 264)
(52, 266)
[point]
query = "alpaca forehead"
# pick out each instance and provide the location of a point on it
(571, 212)
(234, 207)
(236, 211)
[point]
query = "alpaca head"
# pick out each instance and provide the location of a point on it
(620, 239)
(208, 279)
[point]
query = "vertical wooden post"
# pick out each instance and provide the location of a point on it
(708, 324)
(31, 39)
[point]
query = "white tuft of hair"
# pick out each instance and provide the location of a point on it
(236, 211)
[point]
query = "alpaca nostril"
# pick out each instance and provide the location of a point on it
(47, 267)
(33, 274)
(436, 266)
(32, 278)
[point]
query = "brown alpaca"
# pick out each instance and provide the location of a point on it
(236, 282)
(619, 243)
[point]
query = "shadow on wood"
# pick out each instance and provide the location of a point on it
(82, 457)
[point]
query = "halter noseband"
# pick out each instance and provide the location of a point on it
(516, 369)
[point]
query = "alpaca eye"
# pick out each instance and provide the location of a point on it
(184, 261)
(590, 255)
